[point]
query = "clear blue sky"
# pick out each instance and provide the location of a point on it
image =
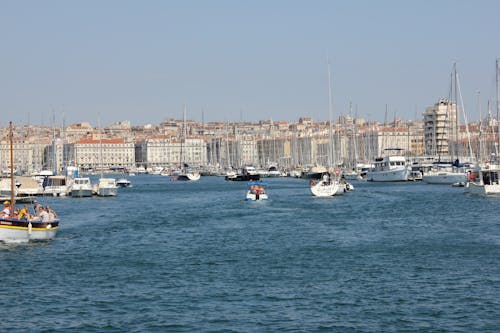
(142, 61)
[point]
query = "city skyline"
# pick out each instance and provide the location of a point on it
(236, 61)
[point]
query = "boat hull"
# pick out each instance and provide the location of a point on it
(256, 197)
(448, 178)
(243, 178)
(80, 193)
(12, 230)
(480, 189)
(326, 189)
(395, 175)
(107, 191)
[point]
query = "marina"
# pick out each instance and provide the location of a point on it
(250, 167)
(368, 259)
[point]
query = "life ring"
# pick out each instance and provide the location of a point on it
(337, 171)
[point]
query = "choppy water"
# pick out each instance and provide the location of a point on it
(194, 257)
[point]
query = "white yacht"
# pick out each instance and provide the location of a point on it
(389, 169)
(56, 186)
(485, 181)
(82, 187)
(106, 187)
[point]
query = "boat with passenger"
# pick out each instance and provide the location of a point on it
(485, 180)
(256, 191)
(17, 225)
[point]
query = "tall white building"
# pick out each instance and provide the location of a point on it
(439, 127)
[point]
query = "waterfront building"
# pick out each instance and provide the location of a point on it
(90, 154)
(170, 151)
(439, 125)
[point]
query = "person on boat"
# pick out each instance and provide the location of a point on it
(326, 178)
(24, 214)
(36, 208)
(44, 215)
(51, 212)
(6, 209)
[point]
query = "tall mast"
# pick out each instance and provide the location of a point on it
(54, 145)
(456, 111)
(497, 74)
(480, 155)
(330, 116)
(12, 195)
(183, 133)
(99, 130)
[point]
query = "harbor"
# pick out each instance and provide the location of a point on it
(197, 257)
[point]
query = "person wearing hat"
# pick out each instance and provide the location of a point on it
(36, 208)
(6, 209)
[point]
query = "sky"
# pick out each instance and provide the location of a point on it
(228, 60)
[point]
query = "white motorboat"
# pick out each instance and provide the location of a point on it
(106, 187)
(56, 186)
(82, 187)
(485, 181)
(123, 182)
(256, 191)
(186, 176)
(389, 169)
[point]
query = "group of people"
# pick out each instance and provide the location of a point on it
(257, 189)
(40, 213)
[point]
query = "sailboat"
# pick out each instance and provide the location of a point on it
(14, 229)
(485, 179)
(447, 172)
(184, 173)
(329, 183)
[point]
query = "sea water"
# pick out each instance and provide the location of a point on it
(168, 256)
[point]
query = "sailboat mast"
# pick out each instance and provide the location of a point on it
(11, 142)
(330, 116)
(100, 144)
(457, 145)
(54, 144)
(497, 74)
(183, 133)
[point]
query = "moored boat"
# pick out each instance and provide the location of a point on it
(444, 173)
(248, 173)
(81, 187)
(106, 187)
(389, 169)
